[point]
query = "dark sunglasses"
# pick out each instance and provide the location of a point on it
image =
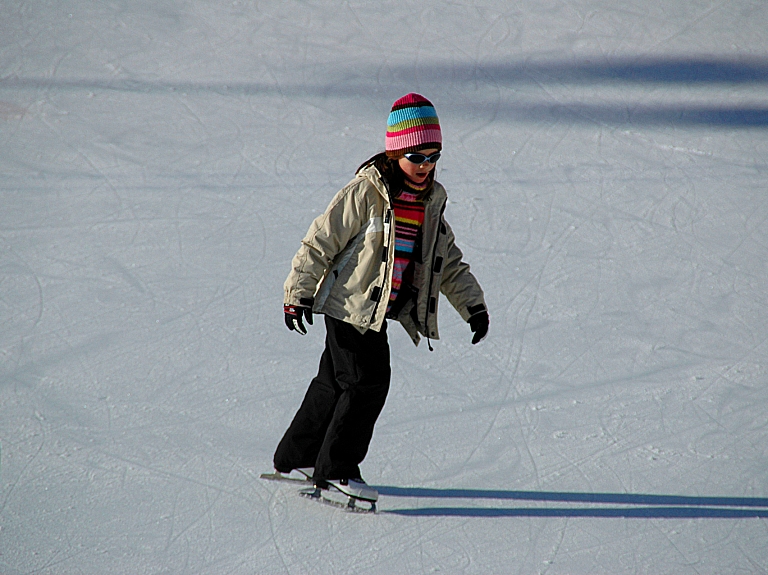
(421, 158)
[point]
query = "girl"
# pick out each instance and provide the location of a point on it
(381, 251)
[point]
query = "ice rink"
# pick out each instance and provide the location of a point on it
(607, 169)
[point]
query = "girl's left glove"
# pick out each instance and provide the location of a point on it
(294, 314)
(478, 323)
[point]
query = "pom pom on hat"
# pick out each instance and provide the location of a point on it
(412, 126)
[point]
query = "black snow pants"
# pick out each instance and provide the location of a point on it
(333, 427)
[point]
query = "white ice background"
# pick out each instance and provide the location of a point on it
(606, 165)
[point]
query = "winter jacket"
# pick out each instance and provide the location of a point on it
(345, 261)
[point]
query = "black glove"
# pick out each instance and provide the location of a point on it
(478, 323)
(294, 314)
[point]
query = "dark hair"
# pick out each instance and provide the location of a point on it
(393, 176)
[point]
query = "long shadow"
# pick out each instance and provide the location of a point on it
(674, 71)
(568, 497)
(682, 71)
(343, 82)
(645, 505)
(689, 115)
(624, 512)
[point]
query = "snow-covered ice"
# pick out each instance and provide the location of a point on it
(606, 163)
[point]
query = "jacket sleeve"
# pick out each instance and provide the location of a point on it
(458, 284)
(327, 236)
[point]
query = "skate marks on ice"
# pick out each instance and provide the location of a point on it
(594, 505)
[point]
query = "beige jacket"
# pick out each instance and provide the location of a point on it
(345, 262)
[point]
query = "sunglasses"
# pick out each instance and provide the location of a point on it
(422, 159)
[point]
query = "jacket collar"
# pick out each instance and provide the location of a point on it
(372, 174)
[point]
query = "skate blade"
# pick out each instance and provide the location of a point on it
(277, 476)
(338, 499)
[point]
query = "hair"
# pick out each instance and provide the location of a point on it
(393, 176)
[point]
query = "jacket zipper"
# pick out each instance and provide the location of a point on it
(432, 276)
(385, 258)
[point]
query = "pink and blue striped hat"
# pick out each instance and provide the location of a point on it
(412, 126)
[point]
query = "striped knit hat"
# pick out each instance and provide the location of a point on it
(412, 126)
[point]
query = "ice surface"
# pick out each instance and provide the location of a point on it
(606, 164)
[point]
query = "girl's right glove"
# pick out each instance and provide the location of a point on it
(295, 313)
(478, 323)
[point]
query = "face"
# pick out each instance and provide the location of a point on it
(417, 173)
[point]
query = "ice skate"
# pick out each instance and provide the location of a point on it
(356, 488)
(351, 494)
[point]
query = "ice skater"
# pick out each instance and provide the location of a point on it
(381, 251)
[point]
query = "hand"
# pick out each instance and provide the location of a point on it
(294, 315)
(478, 323)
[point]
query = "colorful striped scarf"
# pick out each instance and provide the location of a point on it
(409, 217)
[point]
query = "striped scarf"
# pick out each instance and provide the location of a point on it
(409, 217)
